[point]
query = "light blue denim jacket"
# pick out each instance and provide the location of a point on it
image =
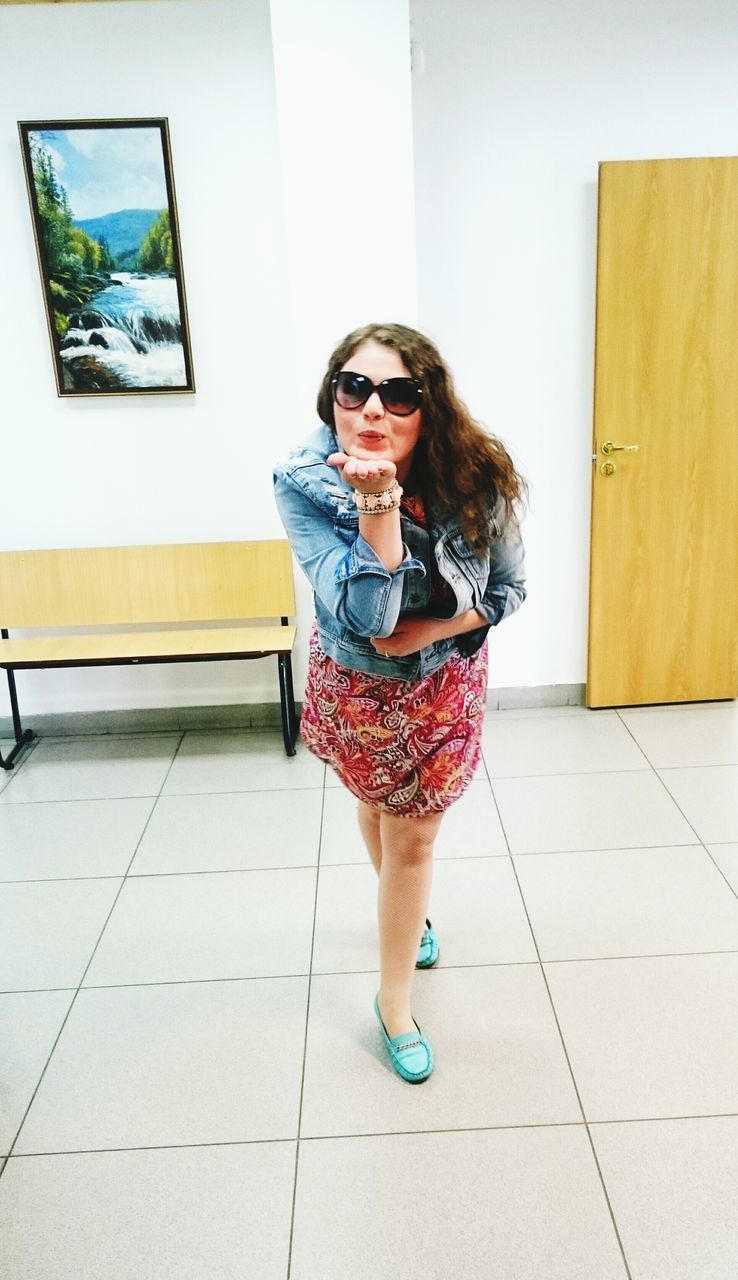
(356, 597)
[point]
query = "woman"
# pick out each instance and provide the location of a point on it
(402, 512)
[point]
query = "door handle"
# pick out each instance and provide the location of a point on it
(609, 447)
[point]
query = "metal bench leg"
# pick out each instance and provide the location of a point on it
(287, 702)
(22, 738)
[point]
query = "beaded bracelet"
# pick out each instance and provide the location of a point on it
(375, 504)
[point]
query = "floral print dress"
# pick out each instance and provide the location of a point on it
(407, 746)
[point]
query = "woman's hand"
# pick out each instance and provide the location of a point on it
(412, 634)
(364, 471)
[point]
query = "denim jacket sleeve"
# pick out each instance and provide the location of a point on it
(346, 573)
(505, 590)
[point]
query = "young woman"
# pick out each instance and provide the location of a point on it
(402, 511)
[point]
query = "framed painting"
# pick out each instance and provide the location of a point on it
(105, 222)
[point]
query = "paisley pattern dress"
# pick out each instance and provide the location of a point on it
(406, 746)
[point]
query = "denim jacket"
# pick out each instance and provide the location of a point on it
(356, 597)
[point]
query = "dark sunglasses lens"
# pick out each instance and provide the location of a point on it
(351, 390)
(400, 396)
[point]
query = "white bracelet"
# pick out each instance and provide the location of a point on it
(375, 504)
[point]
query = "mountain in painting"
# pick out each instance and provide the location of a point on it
(122, 231)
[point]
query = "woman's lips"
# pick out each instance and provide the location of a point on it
(370, 437)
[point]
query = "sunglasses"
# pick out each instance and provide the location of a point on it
(400, 396)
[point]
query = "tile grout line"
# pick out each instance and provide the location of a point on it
(574, 1082)
(564, 1049)
(310, 866)
(89, 962)
(304, 1047)
(702, 843)
(171, 795)
(347, 973)
(386, 1133)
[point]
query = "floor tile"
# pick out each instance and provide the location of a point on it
(589, 811)
(495, 1042)
(651, 1037)
(240, 761)
(479, 916)
(181, 1214)
(346, 919)
(478, 912)
(572, 744)
(29, 1025)
(94, 768)
(726, 857)
(672, 1185)
(708, 797)
(696, 735)
(192, 1063)
(627, 902)
(48, 930)
(231, 832)
(340, 837)
(70, 838)
(436, 1206)
(470, 827)
(232, 924)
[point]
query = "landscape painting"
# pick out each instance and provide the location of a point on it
(105, 221)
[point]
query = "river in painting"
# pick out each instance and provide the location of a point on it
(127, 336)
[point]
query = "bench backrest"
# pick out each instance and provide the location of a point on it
(187, 582)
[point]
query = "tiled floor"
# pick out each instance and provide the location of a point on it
(193, 1083)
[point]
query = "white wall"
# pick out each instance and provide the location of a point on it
(346, 145)
(273, 249)
(516, 104)
(346, 148)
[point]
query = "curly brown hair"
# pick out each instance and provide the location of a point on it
(449, 435)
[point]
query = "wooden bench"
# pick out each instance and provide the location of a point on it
(140, 586)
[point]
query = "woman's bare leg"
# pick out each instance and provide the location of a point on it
(405, 875)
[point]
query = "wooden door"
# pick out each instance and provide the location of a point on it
(663, 615)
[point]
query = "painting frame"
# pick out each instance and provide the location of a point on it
(100, 348)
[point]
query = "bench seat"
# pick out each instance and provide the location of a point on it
(146, 646)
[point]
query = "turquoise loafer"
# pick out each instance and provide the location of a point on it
(429, 948)
(410, 1054)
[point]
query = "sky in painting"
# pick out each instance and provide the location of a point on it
(106, 170)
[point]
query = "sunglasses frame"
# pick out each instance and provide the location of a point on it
(377, 386)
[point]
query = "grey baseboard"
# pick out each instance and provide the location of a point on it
(256, 715)
(252, 715)
(530, 698)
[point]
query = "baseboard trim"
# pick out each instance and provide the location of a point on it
(535, 696)
(257, 715)
(251, 715)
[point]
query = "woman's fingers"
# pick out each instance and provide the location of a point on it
(369, 470)
(364, 469)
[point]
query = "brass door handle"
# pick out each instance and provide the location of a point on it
(609, 447)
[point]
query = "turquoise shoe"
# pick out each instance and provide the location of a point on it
(429, 949)
(410, 1054)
